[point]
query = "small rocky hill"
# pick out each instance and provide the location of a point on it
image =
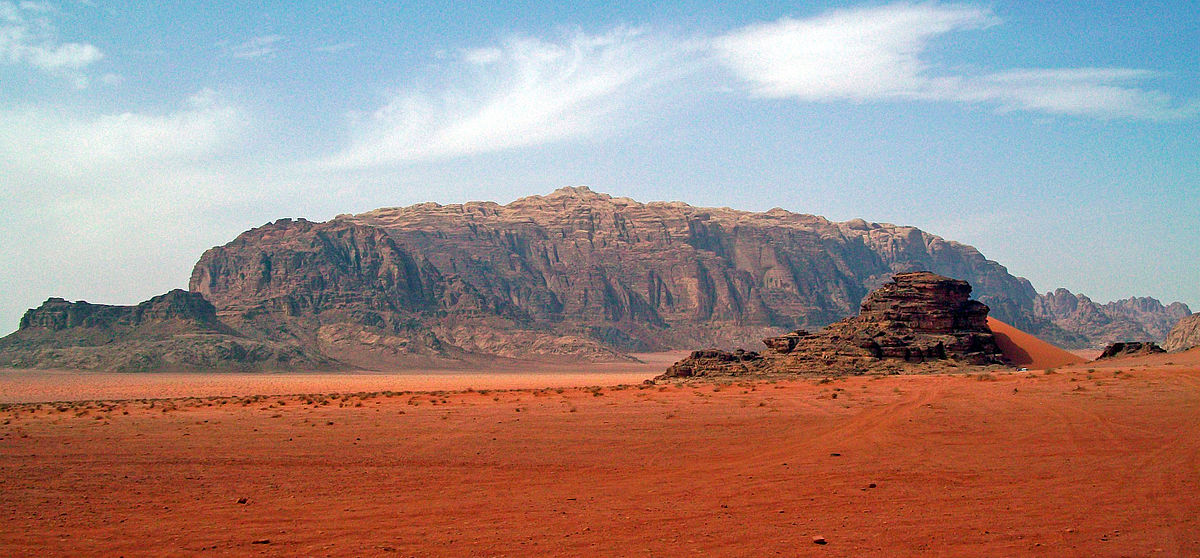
(1129, 348)
(919, 321)
(175, 331)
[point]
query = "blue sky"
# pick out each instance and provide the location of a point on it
(1059, 138)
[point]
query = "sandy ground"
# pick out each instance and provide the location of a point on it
(25, 386)
(1093, 460)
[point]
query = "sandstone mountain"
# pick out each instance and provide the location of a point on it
(918, 321)
(1185, 334)
(175, 331)
(576, 274)
(573, 275)
(1088, 324)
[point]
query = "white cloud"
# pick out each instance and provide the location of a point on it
(483, 56)
(257, 47)
(523, 92)
(27, 37)
(877, 54)
(1095, 92)
(848, 54)
(45, 143)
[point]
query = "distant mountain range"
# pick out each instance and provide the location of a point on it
(581, 275)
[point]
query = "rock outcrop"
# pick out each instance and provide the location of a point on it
(175, 331)
(576, 274)
(918, 318)
(1087, 324)
(1185, 334)
(714, 362)
(1130, 348)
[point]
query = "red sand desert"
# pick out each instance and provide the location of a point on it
(1089, 460)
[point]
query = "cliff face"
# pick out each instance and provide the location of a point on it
(1185, 334)
(1098, 325)
(574, 273)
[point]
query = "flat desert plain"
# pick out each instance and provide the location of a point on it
(1095, 459)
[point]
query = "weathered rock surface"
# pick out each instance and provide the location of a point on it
(1130, 348)
(575, 273)
(917, 318)
(175, 331)
(1087, 324)
(1185, 334)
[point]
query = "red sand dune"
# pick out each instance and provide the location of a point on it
(1023, 349)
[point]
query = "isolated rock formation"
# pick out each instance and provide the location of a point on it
(1084, 323)
(575, 274)
(1130, 348)
(175, 331)
(1185, 334)
(919, 317)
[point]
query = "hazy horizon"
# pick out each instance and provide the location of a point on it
(1060, 140)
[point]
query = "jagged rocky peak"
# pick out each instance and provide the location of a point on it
(1097, 325)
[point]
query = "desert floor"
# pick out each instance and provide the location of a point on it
(1094, 460)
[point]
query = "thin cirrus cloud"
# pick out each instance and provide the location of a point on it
(524, 92)
(257, 47)
(877, 54)
(27, 37)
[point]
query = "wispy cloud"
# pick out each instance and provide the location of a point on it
(28, 37)
(878, 54)
(257, 47)
(522, 92)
